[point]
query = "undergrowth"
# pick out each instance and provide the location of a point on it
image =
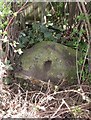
(15, 102)
(69, 103)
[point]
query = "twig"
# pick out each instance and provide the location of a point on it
(11, 20)
(80, 92)
(89, 29)
(58, 109)
(84, 60)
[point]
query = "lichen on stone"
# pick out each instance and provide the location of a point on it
(49, 60)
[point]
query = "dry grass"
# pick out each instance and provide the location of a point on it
(72, 102)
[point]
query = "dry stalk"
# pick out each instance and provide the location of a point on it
(89, 31)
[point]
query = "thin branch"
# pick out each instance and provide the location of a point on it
(11, 20)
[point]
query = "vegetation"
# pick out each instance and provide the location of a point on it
(23, 24)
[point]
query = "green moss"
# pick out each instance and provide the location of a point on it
(63, 64)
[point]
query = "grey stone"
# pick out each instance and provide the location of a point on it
(49, 61)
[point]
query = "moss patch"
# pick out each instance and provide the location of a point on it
(48, 60)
